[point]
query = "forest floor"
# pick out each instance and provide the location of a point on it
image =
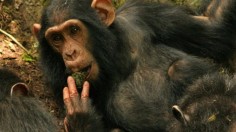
(16, 22)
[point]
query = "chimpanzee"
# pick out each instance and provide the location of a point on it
(18, 111)
(135, 77)
(209, 105)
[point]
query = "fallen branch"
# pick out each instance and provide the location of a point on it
(11, 37)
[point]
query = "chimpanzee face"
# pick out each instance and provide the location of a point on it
(70, 39)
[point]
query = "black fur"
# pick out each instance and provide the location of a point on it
(8, 79)
(172, 26)
(20, 113)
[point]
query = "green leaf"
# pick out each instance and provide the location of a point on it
(28, 58)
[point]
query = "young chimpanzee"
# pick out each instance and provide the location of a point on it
(19, 112)
(208, 106)
(135, 77)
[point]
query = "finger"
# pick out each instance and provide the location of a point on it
(85, 91)
(67, 101)
(66, 125)
(85, 96)
(74, 95)
(72, 87)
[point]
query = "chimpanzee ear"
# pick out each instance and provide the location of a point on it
(179, 115)
(36, 29)
(105, 10)
(19, 89)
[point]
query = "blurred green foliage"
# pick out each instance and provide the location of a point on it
(191, 3)
(28, 58)
(196, 5)
(118, 3)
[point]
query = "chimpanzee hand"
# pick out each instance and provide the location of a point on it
(80, 116)
(73, 101)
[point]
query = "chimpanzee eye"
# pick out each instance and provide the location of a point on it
(74, 29)
(56, 37)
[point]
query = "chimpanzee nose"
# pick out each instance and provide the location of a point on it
(70, 55)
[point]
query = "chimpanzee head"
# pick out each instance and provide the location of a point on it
(209, 105)
(11, 84)
(76, 31)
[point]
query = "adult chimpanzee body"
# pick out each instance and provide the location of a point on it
(208, 105)
(19, 112)
(135, 77)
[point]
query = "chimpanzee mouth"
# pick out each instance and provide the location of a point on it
(81, 76)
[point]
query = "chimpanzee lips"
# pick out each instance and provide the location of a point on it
(86, 70)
